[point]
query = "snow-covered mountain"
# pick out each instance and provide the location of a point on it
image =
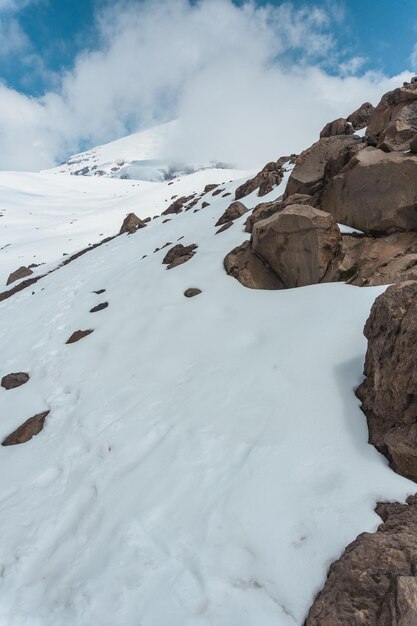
(135, 157)
(203, 460)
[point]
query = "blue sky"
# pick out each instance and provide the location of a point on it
(381, 32)
(76, 73)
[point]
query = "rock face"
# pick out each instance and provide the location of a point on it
(389, 391)
(362, 116)
(131, 224)
(376, 192)
(266, 209)
(26, 431)
(300, 244)
(178, 255)
(250, 270)
(265, 180)
(11, 381)
(308, 174)
(178, 205)
(22, 272)
(394, 121)
(374, 583)
(233, 212)
(337, 127)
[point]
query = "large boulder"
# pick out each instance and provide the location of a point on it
(131, 224)
(307, 176)
(394, 120)
(362, 116)
(250, 270)
(337, 127)
(389, 391)
(300, 243)
(235, 210)
(266, 209)
(374, 582)
(376, 192)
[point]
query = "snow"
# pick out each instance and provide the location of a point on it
(204, 459)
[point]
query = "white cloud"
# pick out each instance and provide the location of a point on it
(228, 73)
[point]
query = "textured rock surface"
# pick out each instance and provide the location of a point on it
(78, 334)
(21, 272)
(191, 292)
(308, 174)
(389, 391)
(376, 192)
(266, 209)
(178, 205)
(362, 116)
(233, 212)
(337, 127)
(179, 254)
(27, 430)
(300, 244)
(374, 582)
(270, 176)
(131, 224)
(249, 269)
(11, 381)
(394, 121)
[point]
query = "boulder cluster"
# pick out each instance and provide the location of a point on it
(368, 184)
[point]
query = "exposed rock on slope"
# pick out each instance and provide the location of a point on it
(376, 192)
(389, 391)
(270, 176)
(374, 583)
(300, 244)
(250, 270)
(233, 212)
(337, 127)
(362, 116)
(394, 121)
(27, 430)
(131, 224)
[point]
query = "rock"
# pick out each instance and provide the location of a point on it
(217, 192)
(361, 117)
(223, 228)
(233, 212)
(11, 381)
(376, 192)
(389, 391)
(78, 334)
(394, 120)
(99, 307)
(250, 270)
(374, 582)
(131, 224)
(307, 176)
(191, 292)
(265, 180)
(178, 255)
(100, 291)
(301, 244)
(26, 431)
(178, 205)
(22, 272)
(266, 209)
(205, 204)
(337, 127)
(413, 145)
(209, 188)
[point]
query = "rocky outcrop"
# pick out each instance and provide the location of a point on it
(79, 334)
(270, 176)
(362, 116)
(389, 391)
(266, 209)
(337, 127)
(18, 274)
(11, 381)
(394, 121)
(233, 212)
(178, 205)
(308, 174)
(250, 270)
(131, 224)
(376, 192)
(178, 255)
(301, 244)
(27, 430)
(374, 583)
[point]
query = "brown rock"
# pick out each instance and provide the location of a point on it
(389, 391)
(99, 307)
(394, 120)
(22, 272)
(224, 227)
(266, 209)
(11, 381)
(217, 192)
(179, 254)
(301, 244)
(191, 292)
(178, 205)
(209, 188)
(337, 127)
(270, 176)
(233, 212)
(78, 334)
(205, 204)
(131, 224)
(250, 270)
(307, 176)
(362, 116)
(374, 581)
(376, 192)
(26, 431)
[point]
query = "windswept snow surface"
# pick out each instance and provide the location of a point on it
(204, 459)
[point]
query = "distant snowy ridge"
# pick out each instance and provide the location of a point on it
(139, 156)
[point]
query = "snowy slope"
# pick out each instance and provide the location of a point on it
(204, 460)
